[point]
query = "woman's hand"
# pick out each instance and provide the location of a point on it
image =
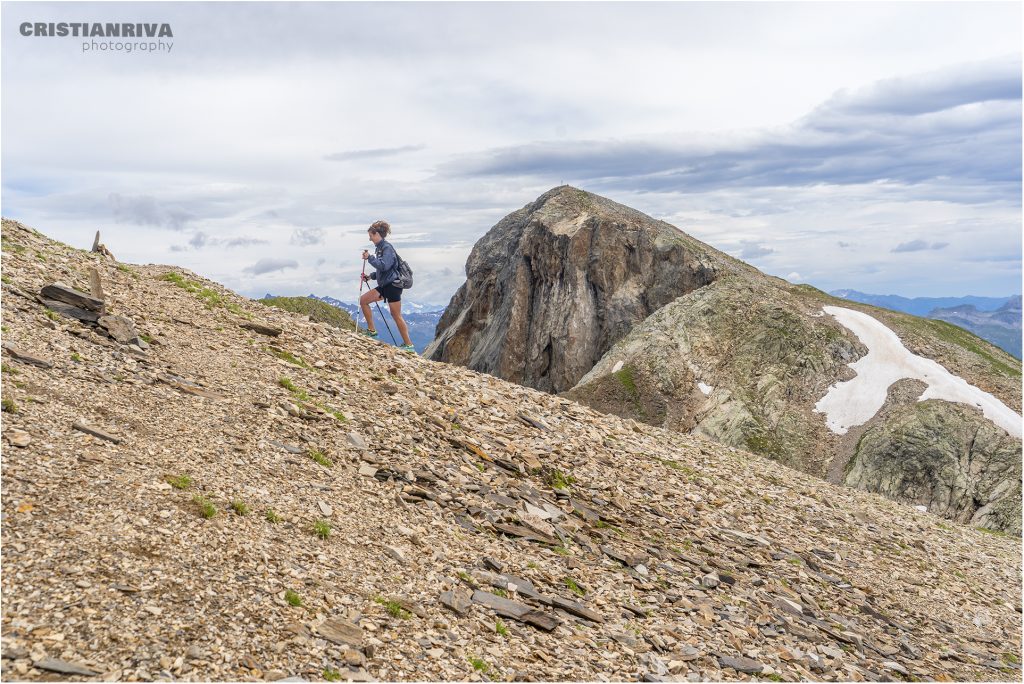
(366, 255)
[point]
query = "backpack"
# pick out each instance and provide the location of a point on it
(404, 274)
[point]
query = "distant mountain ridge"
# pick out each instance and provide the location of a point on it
(421, 318)
(994, 319)
(1001, 327)
(920, 306)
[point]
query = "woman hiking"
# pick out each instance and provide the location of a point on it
(385, 260)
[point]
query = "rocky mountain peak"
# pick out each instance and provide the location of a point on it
(553, 285)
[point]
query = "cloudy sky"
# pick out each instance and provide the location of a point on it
(872, 146)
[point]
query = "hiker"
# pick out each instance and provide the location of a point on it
(385, 260)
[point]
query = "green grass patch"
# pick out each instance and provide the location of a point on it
(8, 406)
(574, 586)
(75, 356)
(479, 665)
(6, 279)
(500, 592)
(331, 675)
(51, 314)
(179, 481)
(272, 516)
(318, 311)
(500, 628)
(559, 480)
(11, 246)
(955, 335)
(292, 598)
(626, 377)
(240, 507)
(206, 507)
(287, 356)
(297, 392)
(994, 533)
(675, 465)
(7, 368)
(210, 297)
(320, 457)
(393, 608)
(322, 529)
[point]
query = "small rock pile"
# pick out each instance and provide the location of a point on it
(260, 497)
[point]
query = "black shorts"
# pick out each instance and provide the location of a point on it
(390, 293)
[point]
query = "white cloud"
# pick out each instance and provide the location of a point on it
(312, 117)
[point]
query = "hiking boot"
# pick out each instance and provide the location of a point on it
(368, 333)
(408, 348)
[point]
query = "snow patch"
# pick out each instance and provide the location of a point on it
(706, 389)
(617, 367)
(856, 401)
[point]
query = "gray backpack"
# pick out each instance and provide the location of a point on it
(404, 274)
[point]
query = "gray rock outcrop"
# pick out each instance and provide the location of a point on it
(554, 285)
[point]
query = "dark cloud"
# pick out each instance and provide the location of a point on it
(960, 126)
(144, 210)
(918, 245)
(270, 265)
(844, 245)
(373, 152)
(307, 236)
(199, 240)
(753, 250)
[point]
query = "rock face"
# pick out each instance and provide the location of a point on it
(579, 295)
(942, 456)
(482, 530)
(744, 361)
(553, 285)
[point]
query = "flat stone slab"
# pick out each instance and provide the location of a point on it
(262, 329)
(340, 631)
(515, 610)
(82, 427)
(121, 328)
(524, 532)
(63, 667)
(456, 600)
(500, 605)
(540, 620)
(21, 356)
(740, 664)
(624, 557)
(63, 293)
(577, 609)
(290, 448)
(69, 311)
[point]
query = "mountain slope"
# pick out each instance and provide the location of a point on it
(749, 364)
(553, 285)
(659, 555)
(555, 290)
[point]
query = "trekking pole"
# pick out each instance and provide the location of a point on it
(362, 281)
(393, 340)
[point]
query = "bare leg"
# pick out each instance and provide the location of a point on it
(364, 303)
(396, 313)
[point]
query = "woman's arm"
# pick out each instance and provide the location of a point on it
(387, 260)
